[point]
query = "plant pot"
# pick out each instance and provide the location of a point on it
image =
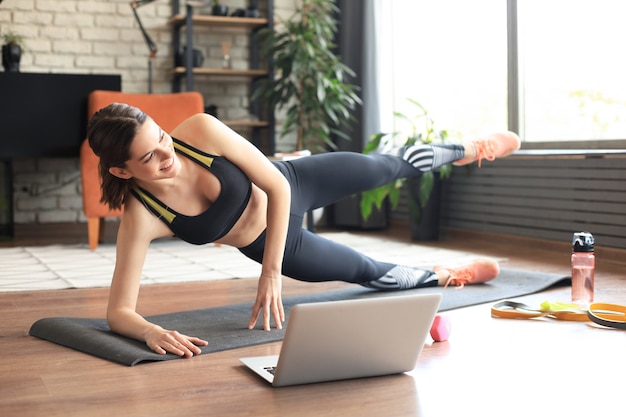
(425, 220)
(346, 213)
(219, 10)
(11, 56)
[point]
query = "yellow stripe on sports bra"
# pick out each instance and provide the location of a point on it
(206, 160)
(163, 211)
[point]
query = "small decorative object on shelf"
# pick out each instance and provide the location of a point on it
(197, 58)
(226, 62)
(253, 9)
(219, 9)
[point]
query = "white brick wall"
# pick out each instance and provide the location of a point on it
(47, 190)
(102, 37)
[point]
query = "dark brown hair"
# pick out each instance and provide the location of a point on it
(111, 131)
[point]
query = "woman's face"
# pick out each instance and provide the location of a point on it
(152, 155)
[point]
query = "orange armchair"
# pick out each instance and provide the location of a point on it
(167, 110)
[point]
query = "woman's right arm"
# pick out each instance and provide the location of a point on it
(137, 229)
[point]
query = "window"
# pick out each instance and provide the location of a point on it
(572, 69)
(451, 56)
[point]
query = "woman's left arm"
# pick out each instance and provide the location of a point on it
(224, 141)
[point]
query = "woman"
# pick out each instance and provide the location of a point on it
(205, 183)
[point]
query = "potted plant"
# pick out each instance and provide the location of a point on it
(310, 80)
(12, 51)
(424, 191)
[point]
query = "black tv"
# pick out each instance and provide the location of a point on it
(45, 115)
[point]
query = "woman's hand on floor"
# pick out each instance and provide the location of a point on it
(269, 300)
(163, 341)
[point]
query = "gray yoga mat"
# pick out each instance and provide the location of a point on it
(225, 327)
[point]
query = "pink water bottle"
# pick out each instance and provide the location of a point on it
(583, 266)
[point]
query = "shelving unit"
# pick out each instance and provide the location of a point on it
(264, 123)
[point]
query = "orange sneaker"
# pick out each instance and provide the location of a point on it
(494, 146)
(479, 271)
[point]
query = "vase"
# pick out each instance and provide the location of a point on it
(425, 220)
(11, 56)
(219, 10)
(197, 58)
(346, 213)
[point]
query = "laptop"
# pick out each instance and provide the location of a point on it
(335, 340)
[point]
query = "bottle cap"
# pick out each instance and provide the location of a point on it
(583, 242)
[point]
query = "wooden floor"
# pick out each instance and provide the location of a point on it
(489, 367)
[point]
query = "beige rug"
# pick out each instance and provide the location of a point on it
(171, 260)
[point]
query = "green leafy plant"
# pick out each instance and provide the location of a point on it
(310, 80)
(12, 38)
(422, 130)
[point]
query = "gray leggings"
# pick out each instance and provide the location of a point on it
(317, 181)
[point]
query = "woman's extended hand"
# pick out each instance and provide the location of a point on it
(163, 341)
(270, 300)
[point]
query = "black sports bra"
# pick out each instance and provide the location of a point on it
(218, 219)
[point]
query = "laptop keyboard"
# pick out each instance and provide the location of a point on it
(270, 369)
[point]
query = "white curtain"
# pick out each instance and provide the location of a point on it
(382, 52)
(374, 88)
(379, 64)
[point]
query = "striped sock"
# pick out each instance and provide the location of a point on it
(430, 157)
(403, 278)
